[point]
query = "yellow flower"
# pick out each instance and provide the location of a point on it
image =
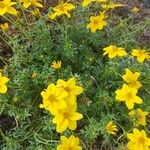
(128, 95)
(67, 118)
(53, 98)
(15, 99)
(138, 116)
(138, 140)
(71, 88)
(56, 64)
(71, 143)
(6, 7)
(141, 55)
(36, 12)
(62, 9)
(111, 128)
(28, 3)
(114, 51)
(111, 5)
(131, 79)
(97, 22)
(87, 2)
(4, 26)
(135, 9)
(3, 81)
(34, 75)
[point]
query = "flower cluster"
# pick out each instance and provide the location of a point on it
(60, 100)
(114, 51)
(96, 22)
(128, 92)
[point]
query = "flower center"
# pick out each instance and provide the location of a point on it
(70, 148)
(95, 22)
(67, 89)
(52, 98)
(61, 8)
(129, 95)
(141, 140)
(66, 115)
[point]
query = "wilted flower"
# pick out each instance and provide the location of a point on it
(111, 128)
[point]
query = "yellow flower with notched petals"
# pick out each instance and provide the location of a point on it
(4, 26)
(53, 98)
(62, 9)
(128, 95)
(6, 6)
(87, 2)
(28, 3)
(71, 143)
(138, 140)
(67, 118)
(36, 12)
(97, 22)
(135, 9)
(138, 116)
(71, 88)
(111, 5)
(3, 81)
(114, 51)
(141, 55)
(111, 128)
(56, 64)
(132, 79)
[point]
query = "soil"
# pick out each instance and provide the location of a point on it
(7, 122)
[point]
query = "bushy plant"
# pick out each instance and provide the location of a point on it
(92, 51)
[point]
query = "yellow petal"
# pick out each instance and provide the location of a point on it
(3, 89)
